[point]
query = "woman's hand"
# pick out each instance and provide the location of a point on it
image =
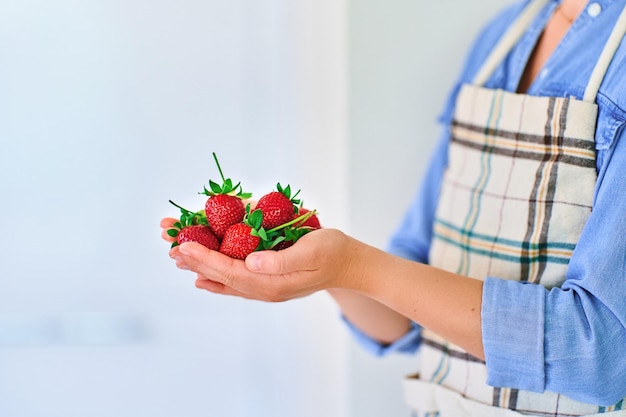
(319, 260)
(447, 303)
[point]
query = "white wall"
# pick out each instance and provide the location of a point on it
(110, 108)
(107, 110)
(404, 56)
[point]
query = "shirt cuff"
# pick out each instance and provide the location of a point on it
(513, 316)
(406, 344)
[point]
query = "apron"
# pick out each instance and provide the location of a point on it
(516, 194)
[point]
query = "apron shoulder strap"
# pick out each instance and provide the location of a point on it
(605, 58)
(508, 40)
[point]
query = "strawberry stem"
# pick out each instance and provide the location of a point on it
(226, 187)
(299, 219)
(189, 217)
(219, 168)
(181, 208)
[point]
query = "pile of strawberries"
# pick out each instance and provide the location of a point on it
(230, 225)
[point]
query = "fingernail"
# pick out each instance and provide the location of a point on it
(253, 262)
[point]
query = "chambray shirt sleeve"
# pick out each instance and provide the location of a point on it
(405, 344)
(572, 339)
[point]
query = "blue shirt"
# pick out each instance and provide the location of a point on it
(572, 339)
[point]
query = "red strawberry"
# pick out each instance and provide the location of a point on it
(239, 242)
(283, 245)
(222, 211)
(312, 222)
(198, 233)
(278, 207)
(192, 227)
(224, 207)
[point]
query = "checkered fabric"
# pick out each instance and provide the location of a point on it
(516, 194)
(518, 188)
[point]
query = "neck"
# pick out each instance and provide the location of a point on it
(570, 9)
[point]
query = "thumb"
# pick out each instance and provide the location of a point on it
(267, 262)
(303, 255)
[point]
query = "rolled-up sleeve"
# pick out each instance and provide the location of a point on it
(408, 343)
(572, 339)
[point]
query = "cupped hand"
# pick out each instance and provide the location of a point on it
(321, 259)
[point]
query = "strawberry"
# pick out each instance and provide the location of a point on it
(228, 225)
(198, 233)
(239, 242)
(243, 238)
(312, 222)
(283, 245)
(193, 227)
(278, 207)
(248, 236)
(222, 211)
(224, 207)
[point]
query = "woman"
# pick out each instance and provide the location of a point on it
(508, 272)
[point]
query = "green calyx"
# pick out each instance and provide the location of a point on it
(285, 232)
(227, 186)
(187, 218)
(287, 193)
(254, 219)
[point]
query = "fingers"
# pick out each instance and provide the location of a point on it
(167, 237)
(207, 262)
(211, 264)
(166, 224)
(215, 287)
(221, 274)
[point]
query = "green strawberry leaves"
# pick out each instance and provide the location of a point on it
(274, 237)
(227, 186)
(285, 232)
(287, 193)
(187, 218)
(254, 219)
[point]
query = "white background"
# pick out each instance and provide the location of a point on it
(110, 108)
(404, 56)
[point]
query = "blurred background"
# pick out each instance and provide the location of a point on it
(108, 109)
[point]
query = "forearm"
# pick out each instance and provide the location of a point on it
(374, 319)
(446, 303)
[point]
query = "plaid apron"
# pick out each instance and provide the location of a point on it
(515, 197)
